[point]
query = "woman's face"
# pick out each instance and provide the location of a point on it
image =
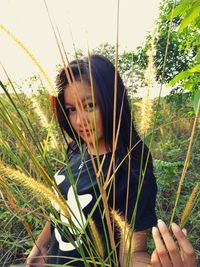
(82, 112)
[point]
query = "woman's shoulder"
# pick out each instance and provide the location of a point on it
(74, 148)
(134, 171)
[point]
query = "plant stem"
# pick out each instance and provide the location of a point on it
(185, 165)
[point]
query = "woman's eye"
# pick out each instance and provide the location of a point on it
(90, 106)
(70, 110)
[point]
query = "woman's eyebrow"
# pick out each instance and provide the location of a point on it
(68, 104)
(85, 98)
(89, 97)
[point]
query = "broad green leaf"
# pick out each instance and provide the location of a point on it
(183, 7)
(177, 11)
(178, 77)
(196, 68)
(185, 22)
(196, 101)
(183, 75)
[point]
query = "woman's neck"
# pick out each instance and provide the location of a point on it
(97, 150)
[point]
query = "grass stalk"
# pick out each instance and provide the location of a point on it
(28, 52)
(186, 164)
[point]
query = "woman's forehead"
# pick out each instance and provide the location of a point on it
(77, 90)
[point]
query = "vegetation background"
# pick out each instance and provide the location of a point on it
(172, 59)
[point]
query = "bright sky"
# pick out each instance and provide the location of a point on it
(91, 20)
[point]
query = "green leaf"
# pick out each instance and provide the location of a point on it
(177, 11)
(184, 74)
(196, 101)
(191, 18)
(196, 68)
(198, 57)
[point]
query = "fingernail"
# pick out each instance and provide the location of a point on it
(154, 230)
(161, 223)
(175, 227)
(184, 231)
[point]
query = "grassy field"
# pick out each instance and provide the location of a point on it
(169, 147)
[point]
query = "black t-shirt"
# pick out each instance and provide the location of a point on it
(78, 176)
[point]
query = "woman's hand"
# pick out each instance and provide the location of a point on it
(169, 253)
(39, 252)
(37, 257)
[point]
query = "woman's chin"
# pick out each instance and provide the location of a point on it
(88, 140)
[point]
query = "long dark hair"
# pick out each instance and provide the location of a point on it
(103, 74)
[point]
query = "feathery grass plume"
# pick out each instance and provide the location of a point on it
(149, 77)
(150, 72)
(8, 197)
(10, 202)
(97, 239)
(27, 51)
(190, 204)
(43, 120)
(146, 112)
(34, 186)
(125, 230)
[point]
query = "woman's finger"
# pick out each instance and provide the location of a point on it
(170, 245)
(155, 262)
(188, 253)
(184, 231)
(160, 248)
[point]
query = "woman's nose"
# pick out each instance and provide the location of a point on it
(80, 118)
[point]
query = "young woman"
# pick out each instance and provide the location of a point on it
(104, 175)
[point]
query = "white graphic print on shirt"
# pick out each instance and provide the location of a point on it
(77, 215)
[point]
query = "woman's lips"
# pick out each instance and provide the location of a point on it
(86, 132)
